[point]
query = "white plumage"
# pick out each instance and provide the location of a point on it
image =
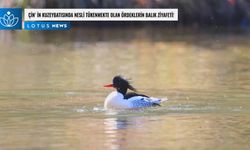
(115, 100)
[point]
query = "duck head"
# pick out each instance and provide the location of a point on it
(121, 85)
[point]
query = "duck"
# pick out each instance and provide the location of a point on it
(121, 99)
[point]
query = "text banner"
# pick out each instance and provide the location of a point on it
(101, 15)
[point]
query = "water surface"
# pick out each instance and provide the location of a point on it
(51, 94)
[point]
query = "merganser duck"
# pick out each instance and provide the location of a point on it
(120, 99)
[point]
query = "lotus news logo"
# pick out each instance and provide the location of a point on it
(10, 18)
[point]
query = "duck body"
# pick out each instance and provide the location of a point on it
(116, 100)
(120, 99)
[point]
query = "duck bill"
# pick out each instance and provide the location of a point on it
(108, 85)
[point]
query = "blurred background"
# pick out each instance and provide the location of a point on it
(195, 13)
(51, 82)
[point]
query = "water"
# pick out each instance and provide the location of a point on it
(51, 94)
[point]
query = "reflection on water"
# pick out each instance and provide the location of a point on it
(114, 138)
(120, 130)
(51, 93)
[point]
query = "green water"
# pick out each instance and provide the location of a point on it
(51, 90)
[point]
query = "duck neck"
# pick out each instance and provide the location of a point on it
(123, 91)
